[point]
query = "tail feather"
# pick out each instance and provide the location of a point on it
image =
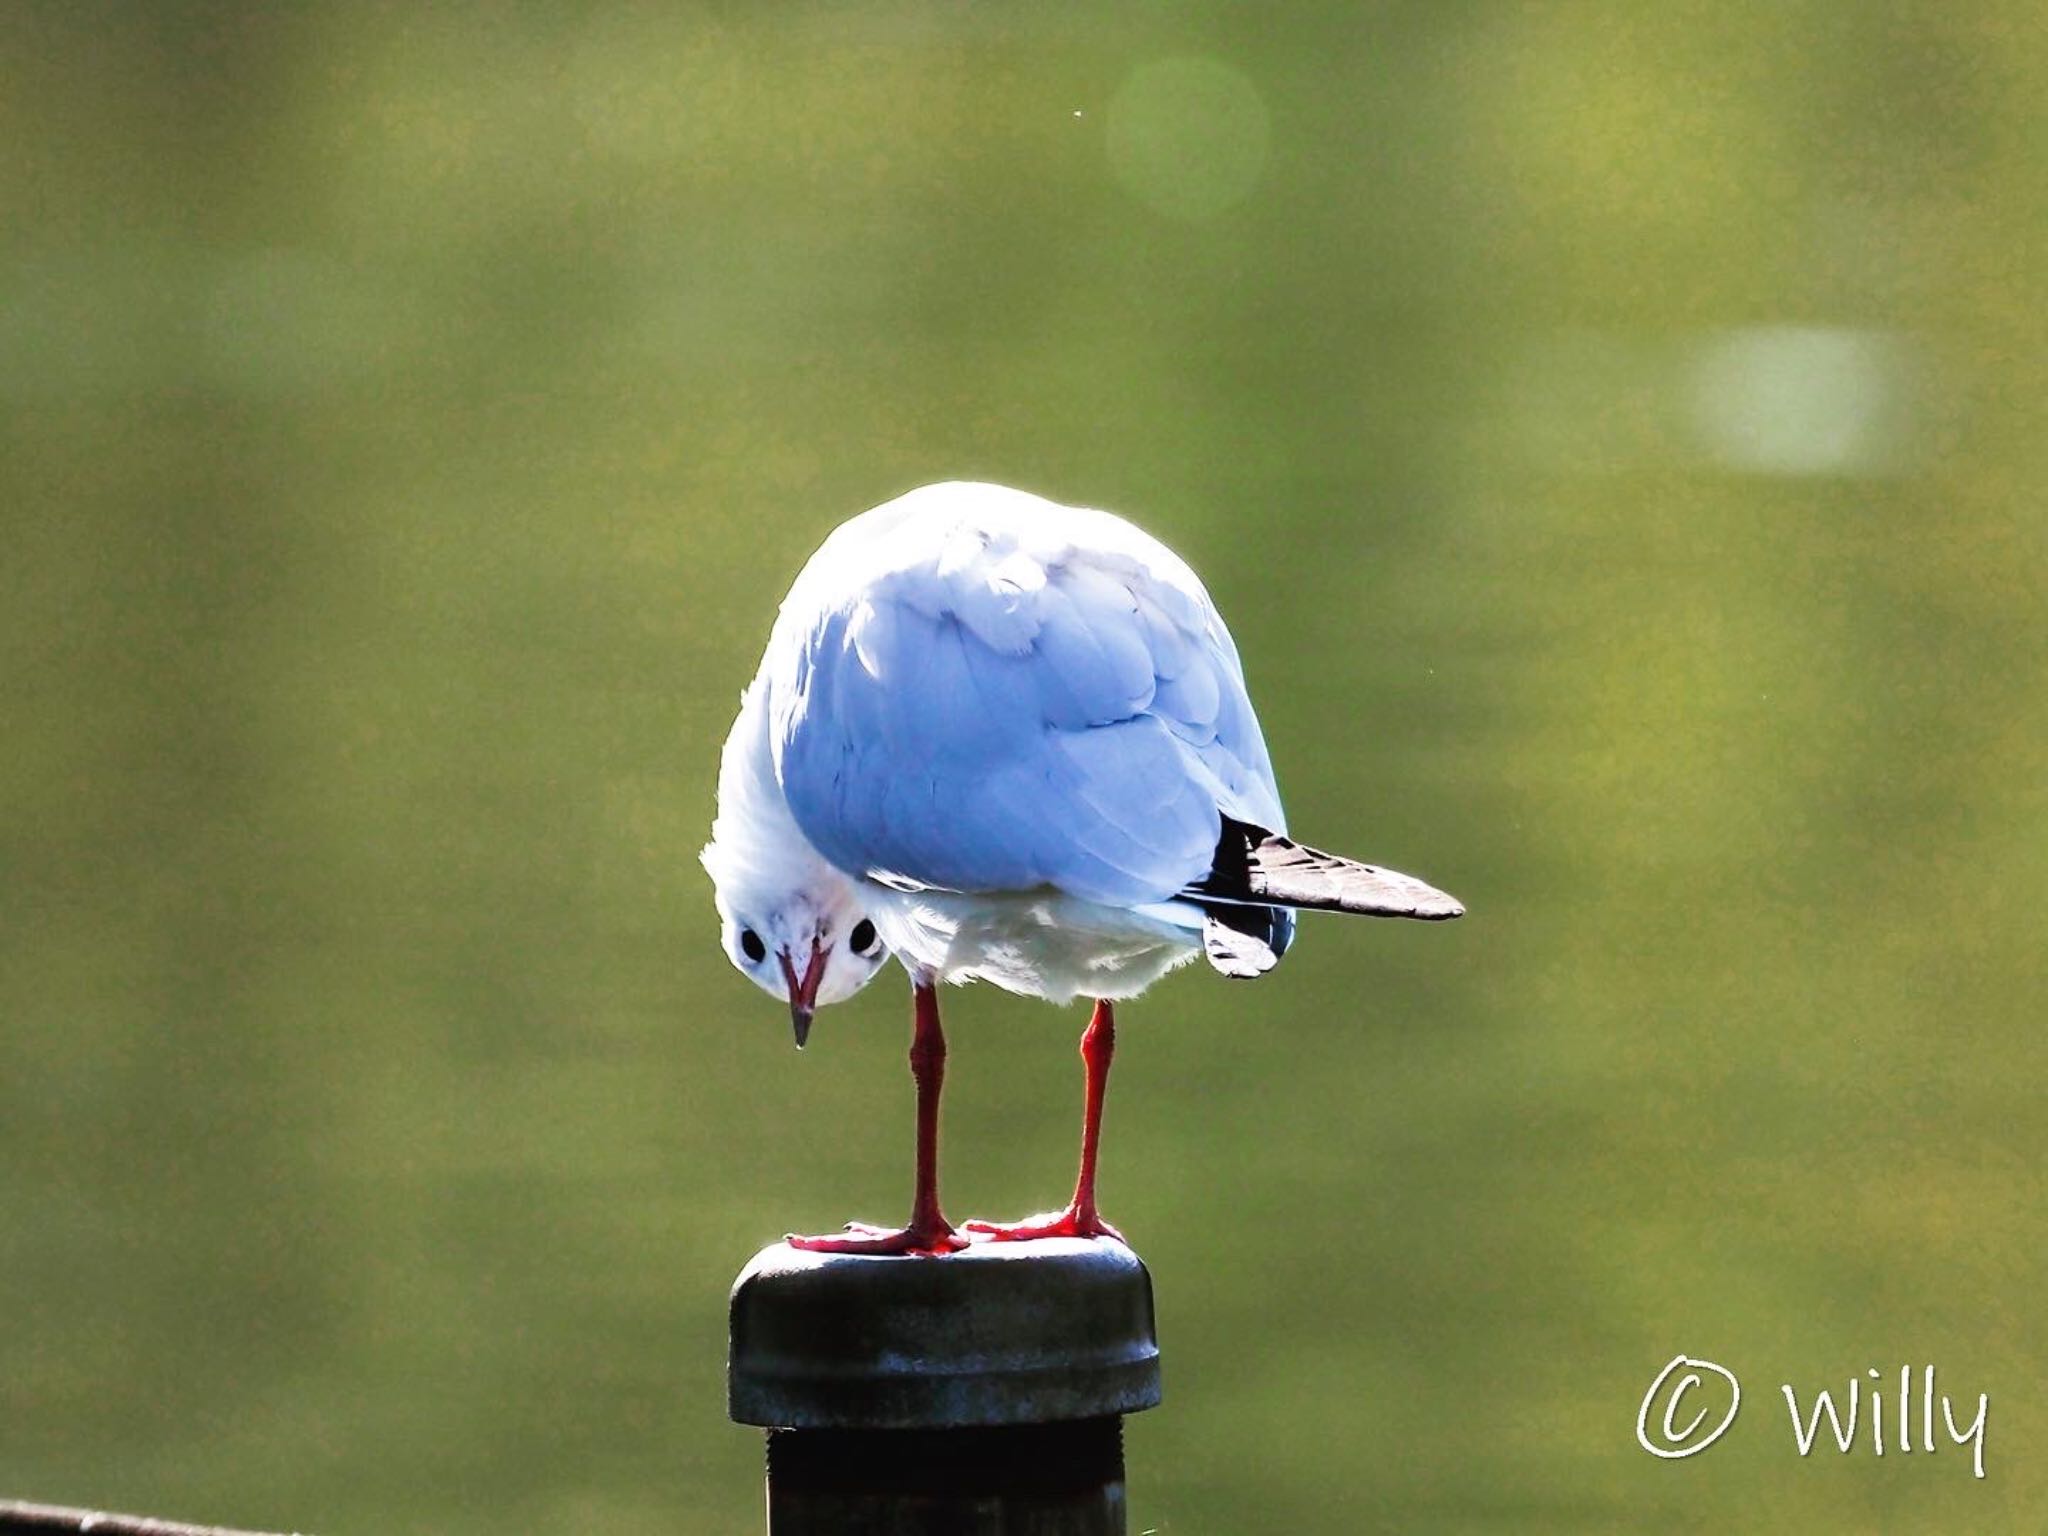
(1245, 941)
(1255, 866)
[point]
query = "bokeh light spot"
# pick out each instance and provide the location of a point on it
(1801, 400)
(1188, 136)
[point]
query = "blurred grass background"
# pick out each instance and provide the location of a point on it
(1613, 432)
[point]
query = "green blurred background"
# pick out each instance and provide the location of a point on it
(1613, 432)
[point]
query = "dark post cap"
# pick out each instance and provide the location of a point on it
(999, 1333)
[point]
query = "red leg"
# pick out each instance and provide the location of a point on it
(1080, 1218)
(929, 1231)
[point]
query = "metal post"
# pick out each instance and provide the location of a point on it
(982, 1392)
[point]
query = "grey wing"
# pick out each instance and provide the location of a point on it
(1020, 721)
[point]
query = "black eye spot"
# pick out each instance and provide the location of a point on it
(863, 939)
(751, 946)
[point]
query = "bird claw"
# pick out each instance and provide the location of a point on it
(865, 1237)
(1066, 1223)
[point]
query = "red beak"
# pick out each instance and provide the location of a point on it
(803, 991)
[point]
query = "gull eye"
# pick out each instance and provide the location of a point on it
(752, 947)
(864, 940)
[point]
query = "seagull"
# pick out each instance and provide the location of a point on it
(1006, 740)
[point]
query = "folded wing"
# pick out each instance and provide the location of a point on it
(1013, 696)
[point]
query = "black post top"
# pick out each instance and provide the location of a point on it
(1001, 1333)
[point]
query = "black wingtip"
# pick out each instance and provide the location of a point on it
(1256, 866)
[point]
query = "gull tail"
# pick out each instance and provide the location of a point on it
(1258, 877)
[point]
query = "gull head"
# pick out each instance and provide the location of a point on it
(792, 923)
(799, 934)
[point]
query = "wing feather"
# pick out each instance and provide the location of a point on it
(988, 692)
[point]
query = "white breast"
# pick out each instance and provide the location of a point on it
(1039, 943)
